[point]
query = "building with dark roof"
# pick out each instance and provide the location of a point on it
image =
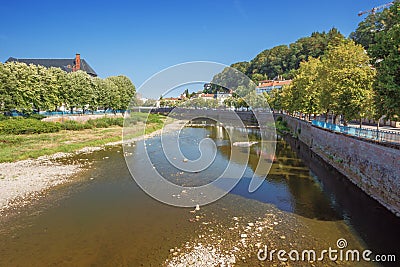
(67, 65)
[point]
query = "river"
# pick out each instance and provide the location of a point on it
(105, 219)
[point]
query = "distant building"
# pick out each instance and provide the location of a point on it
(222, 96)
(168, 102)
(268, 85)
(68, 65)
(207, 96)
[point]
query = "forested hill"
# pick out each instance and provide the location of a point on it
(283, 59)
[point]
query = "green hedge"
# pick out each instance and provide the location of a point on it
(35, 125)
(75, 126)
(36, 116)
(28, 126)
(106, 122)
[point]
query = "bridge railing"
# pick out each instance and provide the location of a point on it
(377, 135)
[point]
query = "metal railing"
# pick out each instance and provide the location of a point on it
(377, 135)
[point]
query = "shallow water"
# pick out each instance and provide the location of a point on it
(105, 219)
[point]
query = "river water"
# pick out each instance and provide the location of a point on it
(104, 219)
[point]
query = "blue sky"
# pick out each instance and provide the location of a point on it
(140, 38)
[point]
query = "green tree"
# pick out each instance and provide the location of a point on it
(385, 52)
(19, 86)
(256, 77)
(45, 88)
(274, 99)
(346, 79)
(60, 82)
(126, 91)
(305, 90)
(81, 90)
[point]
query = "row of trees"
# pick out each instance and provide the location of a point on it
(340, 83)
(379, 33)
(26, 88)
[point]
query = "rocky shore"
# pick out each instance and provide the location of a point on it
(26, 180)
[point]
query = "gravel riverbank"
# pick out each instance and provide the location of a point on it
(26, 180)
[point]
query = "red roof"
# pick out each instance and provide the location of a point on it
(207, 95)
(270, 83)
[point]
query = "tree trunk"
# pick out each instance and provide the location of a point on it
(344, 121)
(72, 110)
(377, 130)
(360, 123)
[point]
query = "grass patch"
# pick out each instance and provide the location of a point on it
(15, 147)
(33, 124)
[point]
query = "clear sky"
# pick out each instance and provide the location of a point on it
(140, 38)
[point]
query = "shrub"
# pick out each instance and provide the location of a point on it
(3, 117)
(106, 122)
(36, 116)
(75, 126)
(153, 118)
(28, 126)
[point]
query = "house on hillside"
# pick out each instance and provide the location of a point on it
(68, 65)
(222, 96)
(268, 85)
(206, 96)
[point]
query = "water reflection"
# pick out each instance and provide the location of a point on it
(290, 185)
(298, 182)
(378, 227)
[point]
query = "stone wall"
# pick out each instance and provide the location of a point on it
(372, 167)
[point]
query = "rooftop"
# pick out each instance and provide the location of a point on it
(64, 64)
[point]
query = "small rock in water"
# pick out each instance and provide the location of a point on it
(185, 160)
(197, 207)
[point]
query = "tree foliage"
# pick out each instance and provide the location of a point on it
(385, 52)
(282, 60)
(341, 83)
(26, 88)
